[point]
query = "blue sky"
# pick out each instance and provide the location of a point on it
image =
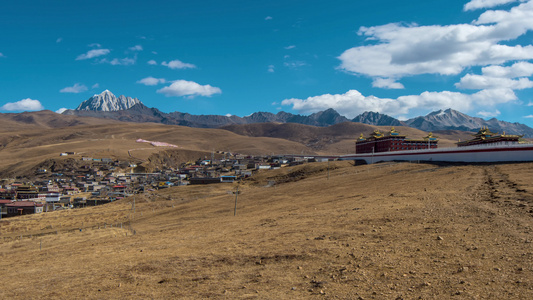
(401, 58)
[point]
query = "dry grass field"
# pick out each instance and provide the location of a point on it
(22, 150)
(28, 139)
(383, 231)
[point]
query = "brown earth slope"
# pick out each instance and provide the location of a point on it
(384, 231)
(24, 149)
(336, 139)
(29, 139)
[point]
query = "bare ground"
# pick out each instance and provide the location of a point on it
(383, 231)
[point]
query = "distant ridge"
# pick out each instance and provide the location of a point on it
(127, 109)
(377, 119)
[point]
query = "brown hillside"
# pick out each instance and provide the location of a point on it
(45, 119)
(24, 149)
(28, 139)
(335, 139)
(385, 231)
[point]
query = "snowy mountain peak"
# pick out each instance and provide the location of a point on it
(106, 101)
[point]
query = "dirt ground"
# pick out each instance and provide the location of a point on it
(383, 231)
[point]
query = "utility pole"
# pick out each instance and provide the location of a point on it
(236, 195)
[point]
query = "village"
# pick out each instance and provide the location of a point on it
(81, 181)
(96, 181)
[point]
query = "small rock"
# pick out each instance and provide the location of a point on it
(293, 288)
(439, 238)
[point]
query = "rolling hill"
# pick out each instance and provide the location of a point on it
(321, 231)
(27, 139)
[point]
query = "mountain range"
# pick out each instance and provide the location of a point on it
(108, 106)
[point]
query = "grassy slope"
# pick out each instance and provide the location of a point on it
(385, 231)
(336, 139)
(27, 139)
(26, 148)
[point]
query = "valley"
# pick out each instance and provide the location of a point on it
(313, 230)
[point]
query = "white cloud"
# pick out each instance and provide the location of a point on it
(95, 45)
(499, 77)
(485, 82)
(398, 50)
(95, 86)
(59, 40)
(93, 53)
(61, 110)
(529, 116)
(177, 64)
(519, 69)
(387, 83)
(290, 47)
(353, 103)
(180, 88)
(136, 48)
(2, 55)
(268, 18)
(489, 114)
(478, 4)
(271, 69)
(122, 61)
(23, 105)
(127, 61)
(151, 81)
(294, 64)
(152, 62)
(76, 88)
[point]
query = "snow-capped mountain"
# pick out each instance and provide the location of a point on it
(453, 120)
(106, 101)
(446, 119)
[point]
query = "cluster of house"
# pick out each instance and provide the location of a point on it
(100, 181)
